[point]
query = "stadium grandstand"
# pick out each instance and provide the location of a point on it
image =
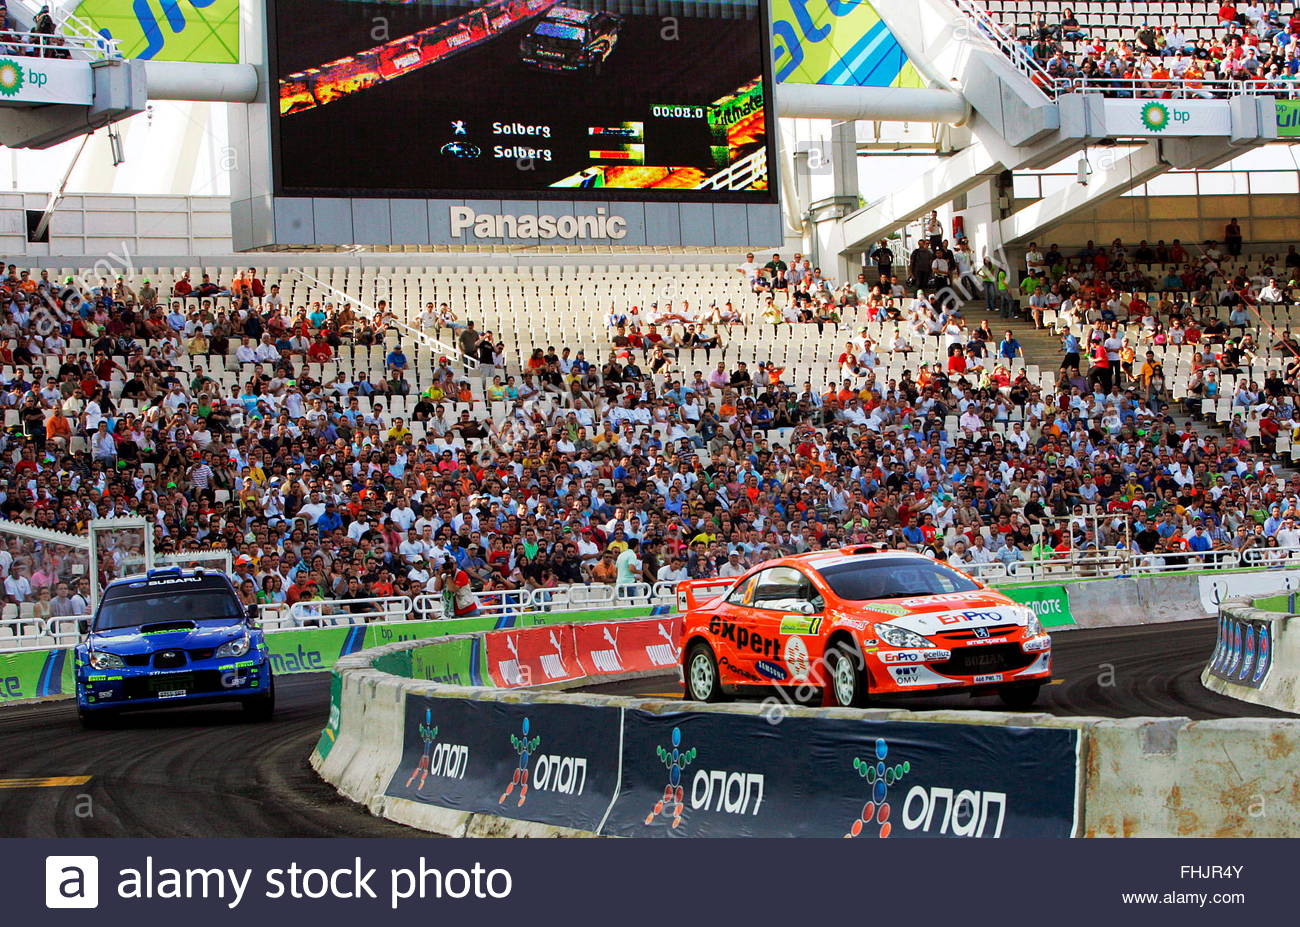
(999, 357)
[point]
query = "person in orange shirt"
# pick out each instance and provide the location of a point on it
(1160, 81)
(1194, 81)
(58, 431)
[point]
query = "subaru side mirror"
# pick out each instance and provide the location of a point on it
(83, 626)
(251, 615)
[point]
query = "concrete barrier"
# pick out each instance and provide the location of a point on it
(1150, 777)
(1257, 658)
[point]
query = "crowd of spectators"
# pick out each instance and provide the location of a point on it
(1255, 44)
(601, 470)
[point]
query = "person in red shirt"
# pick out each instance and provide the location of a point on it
(183, 287)
(320, 352)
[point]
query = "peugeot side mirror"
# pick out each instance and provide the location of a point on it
(806, 608)
(83, 626)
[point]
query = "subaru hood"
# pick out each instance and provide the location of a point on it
(165, 635)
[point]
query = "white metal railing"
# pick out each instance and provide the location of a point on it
(980, 23)
(315, 613)
(60, 45)
(433, 344)
(1176, 88)
(69, 25)
(65, 630)
(23, 633)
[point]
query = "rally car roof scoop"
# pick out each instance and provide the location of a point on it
(158, 627)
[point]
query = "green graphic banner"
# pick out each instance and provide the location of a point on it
(832, 42)
(1288, 118)
(1051, 603)
(330, 733)
(197, 31)
(32, 674)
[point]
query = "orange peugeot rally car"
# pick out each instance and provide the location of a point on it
(860, 622)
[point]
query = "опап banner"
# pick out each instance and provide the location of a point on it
(553, 764)
(702, 774)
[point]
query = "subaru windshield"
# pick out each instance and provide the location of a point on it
(152, 603)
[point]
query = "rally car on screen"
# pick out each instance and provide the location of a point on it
(860, 622)
(568, 39)
(171, 637)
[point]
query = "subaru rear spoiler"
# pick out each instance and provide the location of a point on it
(692, 593)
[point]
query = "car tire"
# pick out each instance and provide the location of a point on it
(847, 676)
(1020, 695)
(703, 683)
(261, 707)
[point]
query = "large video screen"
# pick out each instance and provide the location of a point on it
(522, 98)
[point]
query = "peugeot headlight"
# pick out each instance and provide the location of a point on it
(105, 661)
(895, 636)
(1033, 627)
(234, 648)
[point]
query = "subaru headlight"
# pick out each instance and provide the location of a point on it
(105, 661)
(895, 636)
(234, 648)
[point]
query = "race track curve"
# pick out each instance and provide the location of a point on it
(207, 773)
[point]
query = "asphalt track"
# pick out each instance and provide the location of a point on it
(207, 773)
(1150, 670)
(202, 772)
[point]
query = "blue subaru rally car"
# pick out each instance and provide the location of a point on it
(171, 637)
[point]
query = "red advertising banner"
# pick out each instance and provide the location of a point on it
(628, 646)
(537, 656)
(531, 656)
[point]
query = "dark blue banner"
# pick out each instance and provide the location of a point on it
(553, 764)
(703, 774)
(1244, 651)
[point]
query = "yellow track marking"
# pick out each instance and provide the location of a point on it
(43, 782)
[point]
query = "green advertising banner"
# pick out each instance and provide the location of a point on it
(30, 674)
(1051, 603)
(330, 733)
(197, 31)
(1288, 118)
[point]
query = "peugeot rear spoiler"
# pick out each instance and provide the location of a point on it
(693, 593)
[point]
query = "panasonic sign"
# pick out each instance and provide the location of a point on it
(528, 225)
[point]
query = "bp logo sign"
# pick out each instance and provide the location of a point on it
(11, 77)
(1155, 116)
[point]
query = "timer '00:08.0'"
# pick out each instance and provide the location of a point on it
(677, 112)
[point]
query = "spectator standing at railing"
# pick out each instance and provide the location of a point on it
(1232, 238)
